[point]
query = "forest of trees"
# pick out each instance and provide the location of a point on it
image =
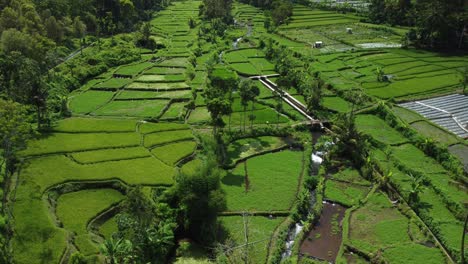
(438, 24)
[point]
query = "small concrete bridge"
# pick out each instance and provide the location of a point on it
(289, 99)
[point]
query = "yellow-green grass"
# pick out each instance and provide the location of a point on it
(161, 78)
(414, 158)
(374, 226)
(35, 231)
(76, 209)
(153, 94)
(432, 131)
(113, 83)
(199, 115)
(165, 70)
(273, 182)
(175, 111)
(175, 62)
(417, 85)
(147, 127)
(51, 170)
(246, 147)
(157, 86)
(191, 166)
(137, 108)
(71, 142)
(133, 69)
(108, 228)
(159, 138)
(95, 156)
(81, 125)
(379, 129)
(352, 176)
(435, 211)
(336, 103)
(260, 229)
(460, 151)
(245, 68)
(407, 115)
(86, 246)
(172, 153)
(344, 193)
(263, 116)
(88, 101)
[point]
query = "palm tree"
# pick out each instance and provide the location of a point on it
(417, 185)
(116, 250)
(380, 74)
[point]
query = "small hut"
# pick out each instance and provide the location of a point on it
(318, 44)
(349, 30)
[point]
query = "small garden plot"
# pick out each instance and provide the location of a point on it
(351, 176)
(431, 131)
(245, 68)
(407, 115)
(132, 70)
(344, 193)
(262, 64)
(260, 229)
(264, 92)
(264, 116)
(51, 170)
(417, 85)
(157, 86)
(129, 94)
(379, 130)
(172, 153)
(411, 157)
(146, 127)
(191, 167)
(199, 115)
(87, 125)
(109, 227)
(138, 108)
(175, 111)
(161, 78)
(71, 142)
(96, 156)
(361, 33)
(164, 70)
(336, 104)
(112, 84)
(372, 228)
(86, 102)
(180, 62)
(33, 220)
(247, 147)
(164, 137)
(272, 182)
(460, 151)
(76, 209)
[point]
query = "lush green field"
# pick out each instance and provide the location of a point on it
(139, 108)
(373, 227)
(172, 153)
(260, 229)
(76, 209)
(87, 102)
(378, 129)
(71, 142)
(154, 139)
(95, 156)
(246, 147)
(273, 182)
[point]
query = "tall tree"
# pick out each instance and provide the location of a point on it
(14, 132)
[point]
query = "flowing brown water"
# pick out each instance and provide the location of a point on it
(324, 240)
